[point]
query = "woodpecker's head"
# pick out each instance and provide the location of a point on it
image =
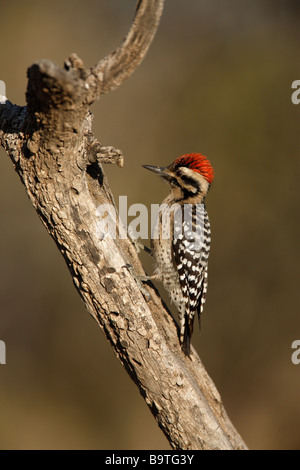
(190, 177)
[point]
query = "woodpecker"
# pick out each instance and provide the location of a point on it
(181, 238)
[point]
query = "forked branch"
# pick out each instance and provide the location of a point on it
(120, 64)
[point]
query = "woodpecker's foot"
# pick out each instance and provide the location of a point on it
(137, 244)
(148, 250)
(139, 280)
(139, 247)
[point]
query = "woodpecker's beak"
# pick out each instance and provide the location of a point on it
(157, 169)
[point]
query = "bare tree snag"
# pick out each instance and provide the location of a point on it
(58, 160)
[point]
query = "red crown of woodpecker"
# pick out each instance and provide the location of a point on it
(196, 162)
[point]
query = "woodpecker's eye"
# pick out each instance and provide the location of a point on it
(188, 180)
(174, 182)
(179, 172)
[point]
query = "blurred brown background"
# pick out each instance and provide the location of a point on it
(216, 80)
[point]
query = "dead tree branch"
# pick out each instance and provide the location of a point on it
(58, 160)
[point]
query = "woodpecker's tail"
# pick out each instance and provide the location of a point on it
(186, 334)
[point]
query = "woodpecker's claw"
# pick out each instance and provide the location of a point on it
(137, 244)
(139, 280)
